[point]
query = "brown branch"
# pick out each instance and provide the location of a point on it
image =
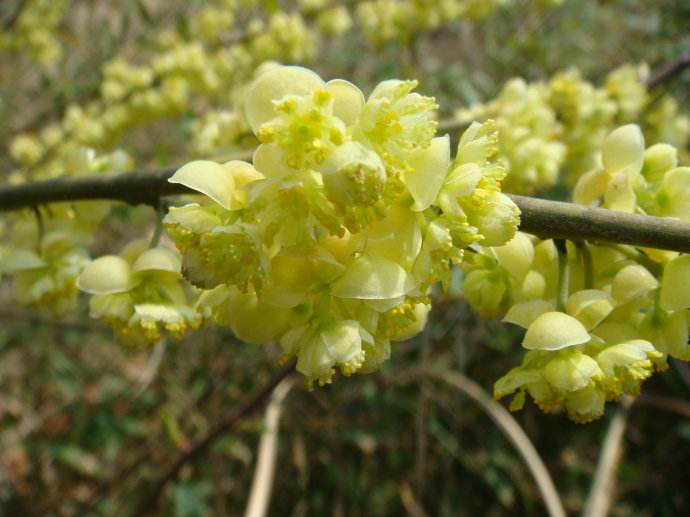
(547, 219)
(668, 71)
(150, 501)
(559, 220)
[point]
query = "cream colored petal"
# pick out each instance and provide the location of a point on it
(429, 167)
(254, 321)
(347, 100)
(524, 313)
(675, 284)
(270, 161)
(615, 332)
(590, 186)
(343, 340)
(242, 172)
(133, 249)
(20, 260)
(554, 331)
(158, 259)
(373, 278)
(623, 148)
(158, 312)
(589, 306)
(632, 281)
(619, 194)
(421, 314)
(106, 275)
(572, 372)
(273, 85)
(674, 189)
(516, 255)
(207, 177)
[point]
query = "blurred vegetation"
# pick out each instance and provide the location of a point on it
(87, 427)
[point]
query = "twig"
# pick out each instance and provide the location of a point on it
(150, 501)
(673, 405)
(603, 484)
(512, 431)
(668, 71)
(262, 483)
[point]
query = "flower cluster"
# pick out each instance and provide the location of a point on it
(546, 129)
(33, 31)
(330, 241)
(599, 319)
(384, 20)
(139, 293)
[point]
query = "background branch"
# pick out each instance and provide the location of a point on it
(668, 71)
(512, 430)
(149, 503)
(604, 482)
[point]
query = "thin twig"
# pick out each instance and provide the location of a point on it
(150, 501)
(262, 483)
(668, 71)
(677, 406)
(512, 430)
(604, 482)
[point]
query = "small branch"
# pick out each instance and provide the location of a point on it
(668, 71)
(604, 482)
(149, 503)
(512, 431)
(559, 220)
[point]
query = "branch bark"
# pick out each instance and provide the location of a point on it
(544, 218)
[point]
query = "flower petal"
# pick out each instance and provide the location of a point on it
(158, 259)
(554, 331)
(209, 178)
(429, 167)
(373, 278)
(623, 148)
(273, 85)
(106, 275)
(524, 313)
(347, 100)
(675, 294)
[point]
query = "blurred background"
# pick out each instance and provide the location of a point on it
(88, 427)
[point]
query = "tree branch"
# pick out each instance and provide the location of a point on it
(546, 219)
(668, 71)
(149, 503)
(512, 430)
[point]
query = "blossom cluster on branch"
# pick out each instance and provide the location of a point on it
(330, 242)
(353, 211)
(553, 128)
